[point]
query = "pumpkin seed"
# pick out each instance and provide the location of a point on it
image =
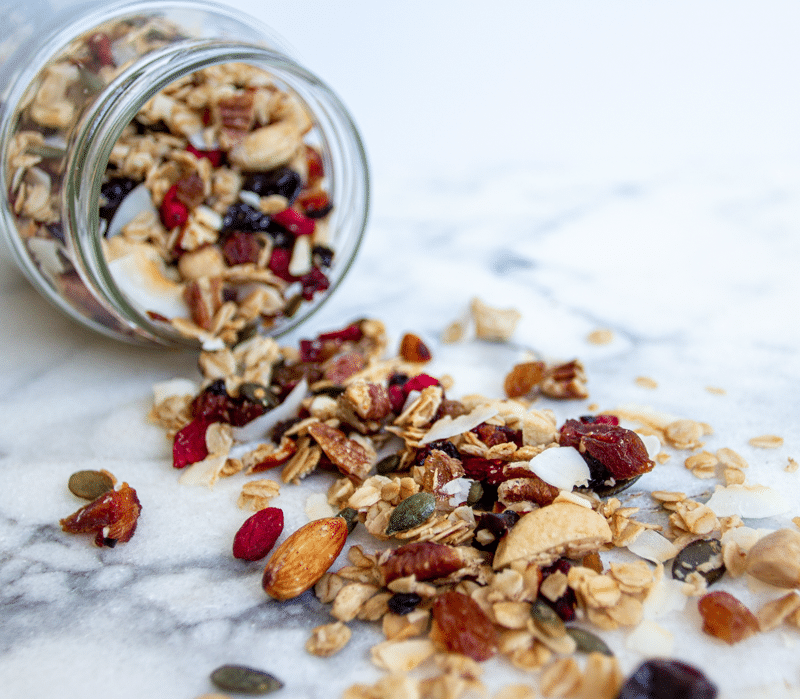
(388, 464)
(411, 512)
(350, 515)
(704, 557)
(245, 680)
(90, 485)
(475, 493)
(261, 395)
(587, 642)
(604, 491)
(547, 620)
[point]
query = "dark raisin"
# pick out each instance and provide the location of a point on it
(404, 602)
(322, 256)
(496, 526)
(240, 247)
(56, 230)
(242, 217)
(565, 605)
(667, 679)
(112, 193)
(282, 180)
(444, 445)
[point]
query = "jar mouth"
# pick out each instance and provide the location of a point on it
(118, 104)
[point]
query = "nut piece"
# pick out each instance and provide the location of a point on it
(775, 559)
(300, 561)
(563, 528)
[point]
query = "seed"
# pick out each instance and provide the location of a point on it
(547, 620)
(475, 493)
(404, 602)
(587, 642)
(607, 490)
(261, 395)
(90, 485)
(703, 557)
(245, 680)
(411, 512)
(388, 464)
(350, 515)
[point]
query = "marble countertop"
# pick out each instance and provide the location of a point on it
(683, 242)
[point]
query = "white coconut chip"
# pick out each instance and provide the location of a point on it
(205, 472)
(652, 443)
(665, 596)
(562, 467)
(458, 490)
(650, 640)
(448, 427)
(748, 501)
(652, 546)
(137, 200)
(173, 388)
(256, 429)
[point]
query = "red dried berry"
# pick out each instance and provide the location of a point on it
(258, 534)
(279, 263)
(215, 156)
(314, 282)
(100, 48)
(112, 517)
(726, 618)
(418, 382)
(314, 203)
(189, 445)
(314, 166)
(619, 450)
(173, 212)
(464, 627)
(397, 397)
(240, 248)
(349, 333)
(489, 471)
(294, 222)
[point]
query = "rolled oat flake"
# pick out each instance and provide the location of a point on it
(245, 680)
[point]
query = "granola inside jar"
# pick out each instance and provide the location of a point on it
(172, 176)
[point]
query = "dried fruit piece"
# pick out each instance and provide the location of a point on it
(258, 534)
(90, 485)
(521, 380)
(424, 560)
(726, 618)
(403, 603)
(245, 680)
(112, 517)
(703, 557)
(775, 559)
(463, 627)
(189, 444)
(411, 512)
(302, 559)
(667, 679)
(413, 349)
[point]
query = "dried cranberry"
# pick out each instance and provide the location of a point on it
(215, 156)
(667, 679)
(599, 419)
(286, 376)
(189, 445)
(112, 517)
(404, 602)
(112, 193)
(489, 471)
(397, 397)
(173, 212)
(620, 451)
(239, 247)
(419, 382)
(214, 404)
(282, 180)
(314, 282)
(314, 166)
(243, 217)
(294, 222)
(279, 263)
(492, 435)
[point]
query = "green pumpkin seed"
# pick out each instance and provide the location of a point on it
(388, 464)
(547, 620)
(350, 515)
(411, 512)
(475, 493)
(703, 557)
(90, 485)
(245, 680)
(587, 642)
(47, 151)
(261, 395)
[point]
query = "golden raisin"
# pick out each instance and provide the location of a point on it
(413, 349)
(726, 618)
(523, 378)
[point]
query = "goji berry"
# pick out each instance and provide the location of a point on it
(258, 534)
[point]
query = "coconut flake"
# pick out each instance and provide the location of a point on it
(137, 200)
(255, 429)
(748, 501)
(653, 445)
(562, 467)
(205, 472)
(142, 278)
(652, 546)
(651, 640)
(172, 388)
(447, 426)
(665, 596)
(458, 490)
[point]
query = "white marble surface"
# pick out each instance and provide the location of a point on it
(680, 235)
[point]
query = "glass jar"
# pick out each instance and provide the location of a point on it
(73, 95)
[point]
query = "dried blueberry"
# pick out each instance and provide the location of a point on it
(282, 180)
(404, 602)
(667, 679)
(242, 217)
(112, 193)
(322, 256)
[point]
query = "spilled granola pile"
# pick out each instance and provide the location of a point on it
(495, 530)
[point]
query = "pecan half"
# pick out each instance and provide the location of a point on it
(346, 454)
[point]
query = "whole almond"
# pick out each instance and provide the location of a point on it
(302, 559)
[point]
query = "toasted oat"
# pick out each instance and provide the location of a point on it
(328, 639)
(774, 613)
(791, 466)
(646, 382)
(703, 464)
(716, 390)
(561, 678)
(602, 336)
(684, 434)
(256, 495)
(494, 324)
(766, 441)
